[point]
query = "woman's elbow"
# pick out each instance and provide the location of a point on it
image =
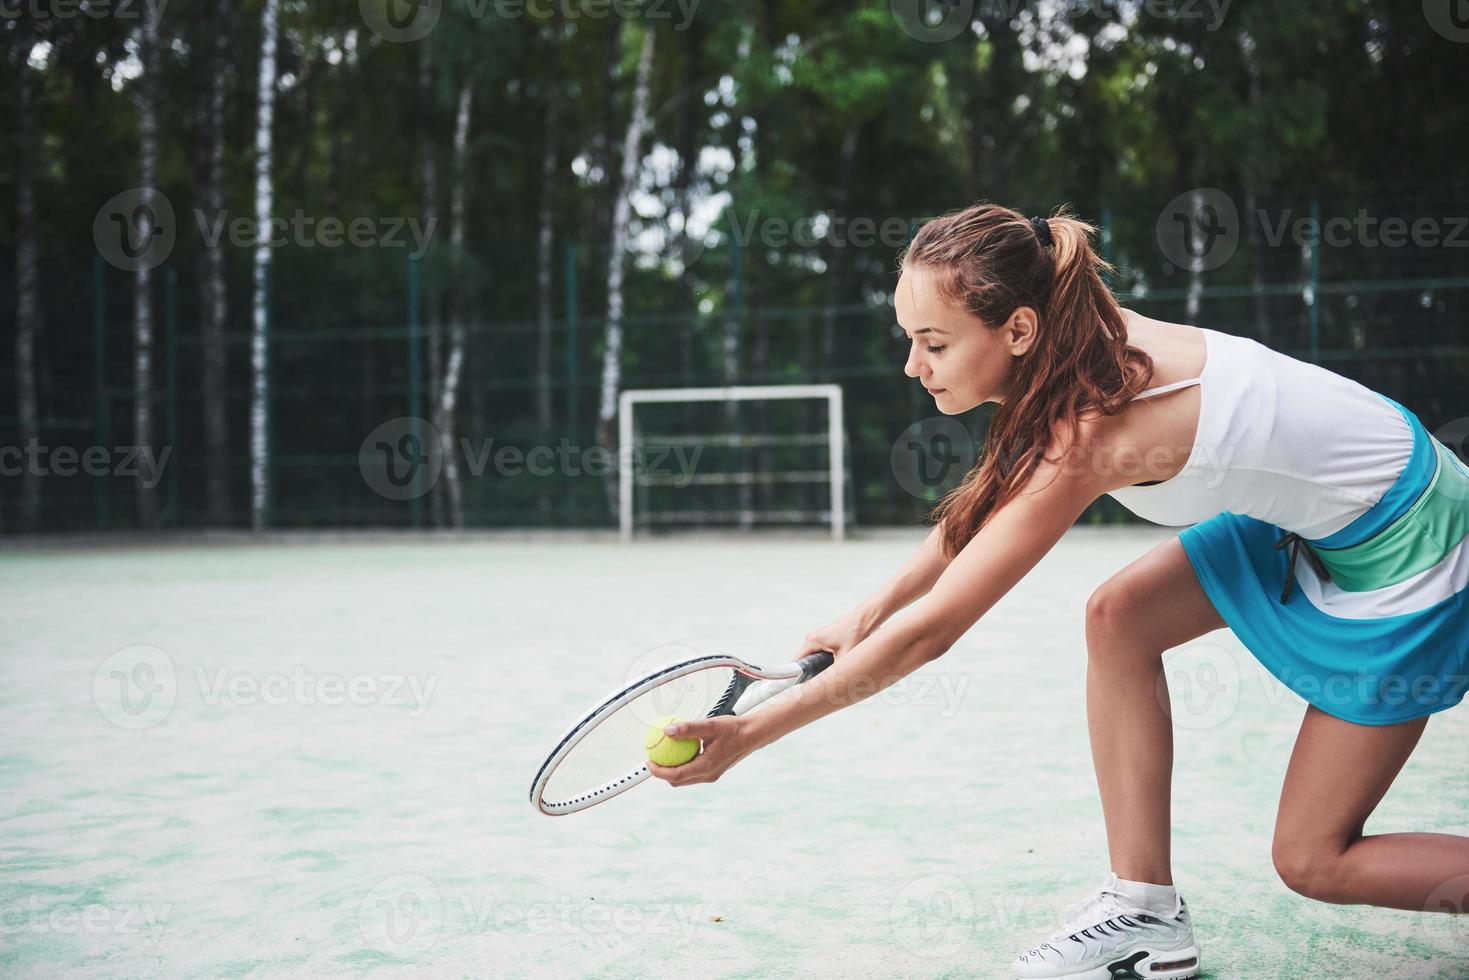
(935, 635)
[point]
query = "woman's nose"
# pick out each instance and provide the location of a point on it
(911, 368)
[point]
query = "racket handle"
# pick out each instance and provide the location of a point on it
(762, 691)
(814, 664)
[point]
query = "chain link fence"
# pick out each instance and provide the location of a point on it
(1375, 287)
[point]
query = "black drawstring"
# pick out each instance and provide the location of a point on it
(1296, 542)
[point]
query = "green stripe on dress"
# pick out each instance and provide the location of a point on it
(1436, 523)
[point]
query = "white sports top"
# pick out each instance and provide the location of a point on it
(1281, 440)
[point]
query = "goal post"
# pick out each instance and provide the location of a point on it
(631, 444)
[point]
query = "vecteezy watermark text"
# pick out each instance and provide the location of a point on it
(125, 461)
(300, 687)
(1329, 690)
(40, 917)
(93, 9)
(137, 229)
(936, 21)
(1201, 229)
(402, 916)
(405, 21)
(403, 458)
(137, 687)
(821, 229)
(305, 231)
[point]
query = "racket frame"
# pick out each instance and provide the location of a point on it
(742, 695)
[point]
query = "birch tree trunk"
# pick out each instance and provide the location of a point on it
(453, 368)
(29, 318)
(143, 276)
(621, 218)
(691, 104)
(428, 207)
(836, 253)
(733, 323)
(259, 350)
(1252, 174)
(213, 299)
(546, 242)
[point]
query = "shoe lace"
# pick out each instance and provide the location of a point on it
(1103, 904)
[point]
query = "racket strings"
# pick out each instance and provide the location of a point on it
(612, 748)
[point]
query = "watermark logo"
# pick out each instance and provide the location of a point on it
(932, 916)
(402, 915)
(933, 21)
(1199, 686)
(1449, 18)
(135, 688)
(1199, 230)
(135, 230)
(932, 456)
(401, 21)
(402, 459)
(698, 691)
(1449, 924)
(1453, 483)
(1455, 435)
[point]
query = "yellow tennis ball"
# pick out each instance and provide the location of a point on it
(668, 751)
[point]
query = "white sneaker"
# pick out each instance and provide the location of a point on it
(1106, 937)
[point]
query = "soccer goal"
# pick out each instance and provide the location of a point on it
(735, 456)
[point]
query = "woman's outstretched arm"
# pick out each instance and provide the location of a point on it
(914, 579)
(1010, 544)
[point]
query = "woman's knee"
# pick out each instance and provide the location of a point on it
(1113, 609)
(1102, 605)
(1308, 869)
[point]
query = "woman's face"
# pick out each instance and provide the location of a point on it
(961, 362)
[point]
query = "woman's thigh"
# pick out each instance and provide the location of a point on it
(1153, 604)
(1339, 771)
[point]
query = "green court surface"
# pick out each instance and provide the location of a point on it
(311, 757)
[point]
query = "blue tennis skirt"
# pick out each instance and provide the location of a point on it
(1392, 651)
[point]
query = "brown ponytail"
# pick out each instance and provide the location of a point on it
(991, 261)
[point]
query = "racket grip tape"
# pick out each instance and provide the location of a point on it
(813, 664)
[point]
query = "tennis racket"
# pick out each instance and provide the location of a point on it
(601, 755)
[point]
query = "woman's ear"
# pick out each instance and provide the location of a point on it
(1020, 330)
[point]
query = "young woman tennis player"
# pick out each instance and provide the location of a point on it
(1328, 532)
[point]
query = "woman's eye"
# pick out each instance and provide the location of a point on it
(933, 350)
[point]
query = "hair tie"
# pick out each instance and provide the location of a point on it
(1042, 231)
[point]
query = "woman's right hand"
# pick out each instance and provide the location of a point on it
(838, 636)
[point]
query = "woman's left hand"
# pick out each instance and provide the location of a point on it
(726, 741)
